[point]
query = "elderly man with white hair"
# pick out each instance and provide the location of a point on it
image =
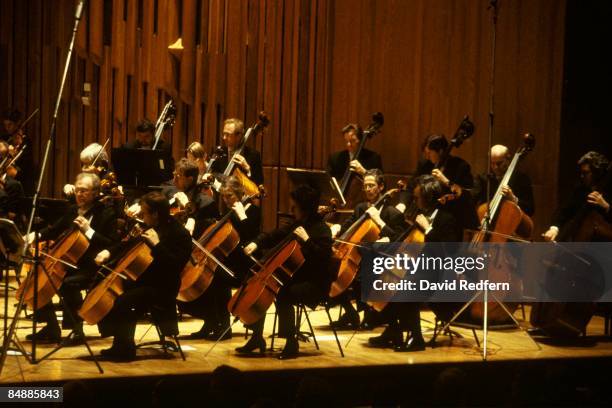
(519, 187)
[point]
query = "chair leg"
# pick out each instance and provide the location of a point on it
(274, 330)
(334, 331)
(178, 346)
(476, 337)
(303, 308)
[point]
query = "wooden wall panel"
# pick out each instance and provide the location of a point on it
(312, 65)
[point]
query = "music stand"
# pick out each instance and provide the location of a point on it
(142, 168)
(11, 246)
(319, 180)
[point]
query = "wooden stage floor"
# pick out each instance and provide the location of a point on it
(74, 362)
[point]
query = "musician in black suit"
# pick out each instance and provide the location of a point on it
(439, 225)
(157, 286)
(338, 162)
(197, 210)
(97, 222)
(145, 137)
(250, 159)
(11, 193)
(310, 283)
(391, 223)
(212, 305)
(16, 140)
(454, 174)
(519, 188)
(593, 168)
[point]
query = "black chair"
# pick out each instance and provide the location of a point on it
(302, 311)
(165, 322)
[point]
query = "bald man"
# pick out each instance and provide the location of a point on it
(518, 189)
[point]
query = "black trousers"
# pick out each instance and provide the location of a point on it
(122, 319)
(288, 296)
(404, 316)
(72, 301)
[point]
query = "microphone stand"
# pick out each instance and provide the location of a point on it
(33, 274)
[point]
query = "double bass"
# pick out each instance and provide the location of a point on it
(251, 301)
(500, 220)
(346, 256)
(463, 132)
(350, 184)
(232, 170)
(166, 119)
(219, 239)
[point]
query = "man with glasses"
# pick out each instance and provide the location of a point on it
(391, 224)
(98, 223)
(195, 209)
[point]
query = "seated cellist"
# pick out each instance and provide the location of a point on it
(212, 305)
(391, 223)
(157, 286)
(97, 222)
(438, 225)
(310, 284)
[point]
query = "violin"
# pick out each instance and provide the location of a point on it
(131, 264)
(219, 239)
(346, 254)
(231, 170)
(68, 248)
(252, 300)
(205, 185)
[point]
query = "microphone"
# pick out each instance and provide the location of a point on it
(79, 10)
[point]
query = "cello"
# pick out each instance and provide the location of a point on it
(570, 319)
(500, 220)
(251, 301)
(231, 170)
(68, 248)
(350, 184)
(219, 239)
(131, 264)
(346, 256)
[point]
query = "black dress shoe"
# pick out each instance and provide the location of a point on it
(418, 345)
(200, 334)
(119, 353)
(347, 321)
(75, 340)
(388, 338)
(291, 350)
(46, 335)
(219, 335)
(255, 342)
(535, 331)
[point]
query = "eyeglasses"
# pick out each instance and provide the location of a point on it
(368, 187)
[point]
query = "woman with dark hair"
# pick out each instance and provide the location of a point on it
(438, 225)
(212, 305)
(310, 283)
(157, 286)
(454, 175)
